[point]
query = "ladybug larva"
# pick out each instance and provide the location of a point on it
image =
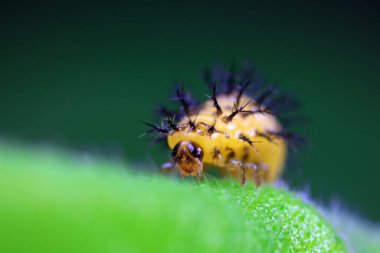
(237, 133)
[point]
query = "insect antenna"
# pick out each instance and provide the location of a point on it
(214, 100)
(236, 111)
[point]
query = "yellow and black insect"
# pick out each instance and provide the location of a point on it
(239, 134)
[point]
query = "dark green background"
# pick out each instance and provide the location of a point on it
(83, 75)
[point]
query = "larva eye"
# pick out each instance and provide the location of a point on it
(175, 149)
(195, 151)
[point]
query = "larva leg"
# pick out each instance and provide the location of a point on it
(262, 172)
(258, 172)
(236, 168)
(200, 176)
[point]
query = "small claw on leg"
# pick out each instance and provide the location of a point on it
(256, 172)
(259, 173)
(243, 176)
(237, 168)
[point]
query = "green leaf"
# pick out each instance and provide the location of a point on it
(52, 201)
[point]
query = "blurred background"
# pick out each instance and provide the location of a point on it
(83, 75)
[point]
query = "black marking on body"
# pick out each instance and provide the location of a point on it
(231, 154)
(211, 128)
(175, 150)
(192, 125)
(215, 153)
(245, 156)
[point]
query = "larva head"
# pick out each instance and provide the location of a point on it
(188, 157)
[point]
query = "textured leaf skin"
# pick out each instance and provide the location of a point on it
(52, 201)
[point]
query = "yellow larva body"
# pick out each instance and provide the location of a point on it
(225, 143)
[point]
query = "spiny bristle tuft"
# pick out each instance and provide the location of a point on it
(192, 123)
(212, 129)
(292, 139)
(249, 141)
(265, 97)
(267, 136)
(247, 73)
(156, 128)
(171, 123)
(283, 104)
(214, 100)
(231, 79)
(226, 79)
(236, 111)
(239, 83)
(241, 91)
(187, 102)
(164, 111)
